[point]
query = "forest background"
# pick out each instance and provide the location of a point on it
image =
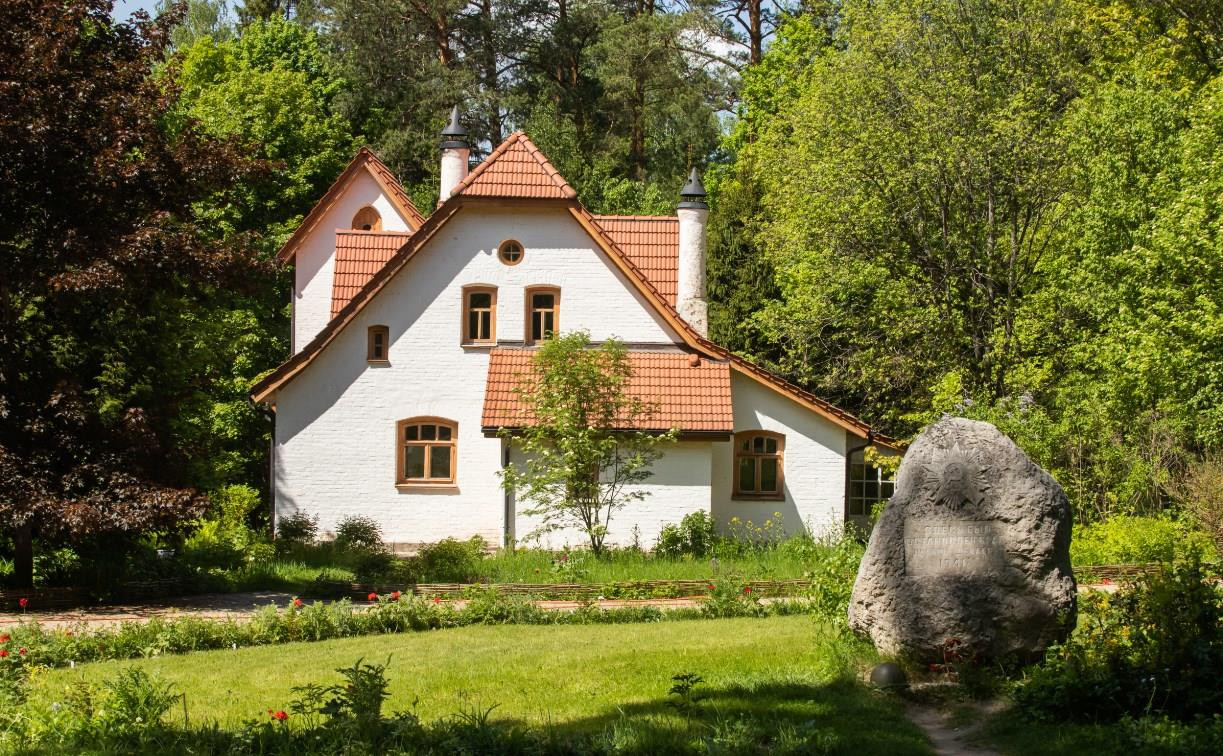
(1005, 209)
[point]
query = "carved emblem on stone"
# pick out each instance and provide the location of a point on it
(959, 482)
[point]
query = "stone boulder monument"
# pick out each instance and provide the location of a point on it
(971, 553)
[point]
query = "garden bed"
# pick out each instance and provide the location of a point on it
(628, 590)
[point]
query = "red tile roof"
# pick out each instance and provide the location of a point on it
(688, 397)
(516, 170)
(358, 256)
(365, 160)
(651, 243)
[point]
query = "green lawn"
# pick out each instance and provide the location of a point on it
(573, 678)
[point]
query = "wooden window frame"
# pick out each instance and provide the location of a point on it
(401, 479)
(531, 291)
(880, 481)
(492, 318)
(370, 335)
(357, 220)
(522, 252)
(739, 438)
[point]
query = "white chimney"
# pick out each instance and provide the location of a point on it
(455, 156)
(693, 215)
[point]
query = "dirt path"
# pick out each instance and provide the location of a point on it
(946, 739)
(240, 606)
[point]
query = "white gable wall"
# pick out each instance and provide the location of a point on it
(335, 426)
(314, 263)
(813, 463)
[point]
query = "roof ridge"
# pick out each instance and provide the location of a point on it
(518, 138)
(598, 216)
(372, 232)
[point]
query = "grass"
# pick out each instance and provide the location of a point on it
(622, 566)
(1012, 733)
(571, 678)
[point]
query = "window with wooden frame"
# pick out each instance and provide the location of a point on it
(377, 343)
(479, 315)
(543, 313)
(427, 451)
(367, 219)
(510, 252)
(759, 465)
(868, 485)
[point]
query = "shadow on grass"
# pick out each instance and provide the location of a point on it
(837, 717)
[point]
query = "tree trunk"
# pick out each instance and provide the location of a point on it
(23, 557)
(755, 16)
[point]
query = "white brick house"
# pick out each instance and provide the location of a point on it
(406, 330)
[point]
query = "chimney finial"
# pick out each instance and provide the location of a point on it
(454, 135)
(693, 194)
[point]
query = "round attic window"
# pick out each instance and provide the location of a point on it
(367, 219)
(510, 252)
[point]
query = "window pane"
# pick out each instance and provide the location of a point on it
(758, 445)
(770, 445)
(542, 301)
(857, 507)
(428, 432)
(481, 299)
(747, 444)
(747, 474)
(414, 462)
(855, 490)
(549, 324)
(857, 471)
(473, 326)
(439, 461)
(443, 433)
(768, 475)
(486, 325)
(411, 432)
(537, 330)
(885, 490)
(871, 490)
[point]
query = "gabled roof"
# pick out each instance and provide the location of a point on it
(358, 256)
(693, 398)
(516, 170)
(264, 389)
(652, 243)
(365, 160)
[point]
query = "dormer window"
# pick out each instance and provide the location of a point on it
(367, 219)
(543, 313)
(377, 343)
(510, 252)
(479, 315)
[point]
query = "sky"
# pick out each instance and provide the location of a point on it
(125, 8)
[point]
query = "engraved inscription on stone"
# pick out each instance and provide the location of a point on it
(935, 547)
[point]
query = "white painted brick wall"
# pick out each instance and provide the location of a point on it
(314, 264)
(814, 461)
(335, 424)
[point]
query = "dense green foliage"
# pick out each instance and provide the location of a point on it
(1003, 210)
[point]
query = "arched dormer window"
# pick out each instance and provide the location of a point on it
(427, 450)
(367, 219)
(759, 469)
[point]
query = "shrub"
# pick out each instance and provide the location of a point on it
(359, 533)
(297, 528)
(1125, 539)
(694, 536)
(833, 573)
(451, 561)
(1153, 648)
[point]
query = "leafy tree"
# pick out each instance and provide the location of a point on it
(581, 466)
(103, 255)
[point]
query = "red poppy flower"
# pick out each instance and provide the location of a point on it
(22, 652)
(279, 715)
(394, 595)
(23, 603)
(437, 600)
(711, 587)
(1106, 581)
(297, 602)
(3, 653)
(747, 589)
(5, 638)
(372, 597)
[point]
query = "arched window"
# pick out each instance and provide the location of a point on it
(510, 252)
(479, 314)
(759, 469)
(868, 485)
(367, 219)
(543, 313)
(426, 447)
(378, 343)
